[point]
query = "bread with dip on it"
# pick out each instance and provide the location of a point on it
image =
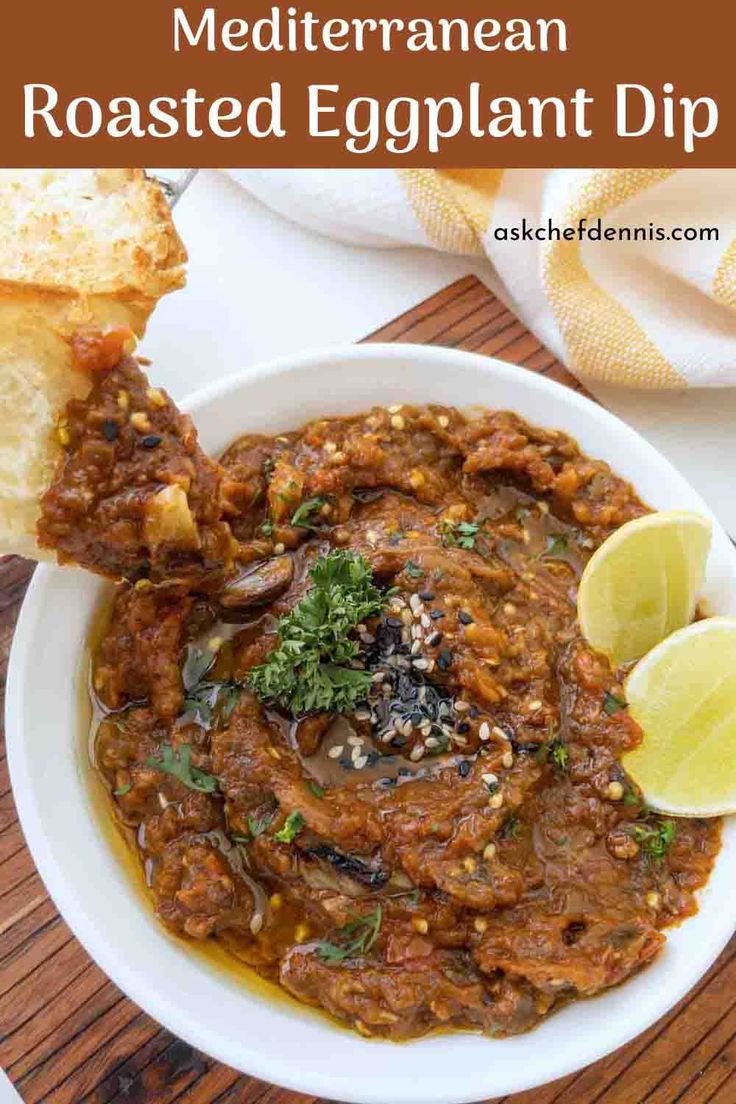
(80, 249)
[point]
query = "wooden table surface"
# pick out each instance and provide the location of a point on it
(68, 1035)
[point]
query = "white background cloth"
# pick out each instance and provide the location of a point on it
(260, 286)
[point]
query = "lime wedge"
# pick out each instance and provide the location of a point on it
(683, 696)
(642, 583)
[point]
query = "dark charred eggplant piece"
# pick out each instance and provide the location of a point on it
(258, 585)
(310, 730)
(349, 865)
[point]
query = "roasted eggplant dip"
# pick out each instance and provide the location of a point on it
(345, 713)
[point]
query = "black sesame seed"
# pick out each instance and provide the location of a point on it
(463, 769)
(444, 659)
(474, 711)
(464, 618)
(426, 595)
(110, 430)
(151, 441)
(394, 622)
(462, 728)
(436, 615)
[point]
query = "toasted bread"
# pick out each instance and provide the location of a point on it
(79, 248)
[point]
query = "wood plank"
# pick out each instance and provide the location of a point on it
(67, 1034)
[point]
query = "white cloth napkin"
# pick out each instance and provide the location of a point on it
(642, 313)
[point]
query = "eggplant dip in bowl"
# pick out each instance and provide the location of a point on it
(358, 742)
(353, 730)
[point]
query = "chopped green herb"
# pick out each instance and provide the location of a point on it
(355, 939)
(196, 665)
(309, 671)
(121, 790)
(559, 754)
(511, 828)
(267, 527)
(631, 797)
(414, 570)
(556, 546)
(460, 534)
(268, 465)
(258, 827)
(178, 763)
(292, 827)
(612, 704)
(655, 838)
(307, 514)
(208, 699)
(316, 790)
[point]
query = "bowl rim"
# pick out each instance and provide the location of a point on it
(164, 1008)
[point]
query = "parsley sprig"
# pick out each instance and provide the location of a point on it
(206, 698)
(291, 829)
(178, 763)
(655, 838)
(459, 534)
(355, 939)
(309, 671)
(307, 514)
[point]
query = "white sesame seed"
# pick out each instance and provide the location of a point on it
(535, 706)
(407, 616)
(509, 609)
(415, 602)
(614, 791)
(431, 742)
(508, 760)
(421, 664)
(279, 549)
(653, 900)
(336, 751)
(416, 647)
(360, 762)
(484, 732)
(397, 421)
(443, 421)
(416, 753)
(379, 676)
(489, 852)
(461, 706)
(355, 741)
(426, 621)
(499, 733)
(495, 801)
(490, 779)
(372, 536)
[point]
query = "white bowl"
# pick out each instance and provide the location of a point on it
(274, 1039)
